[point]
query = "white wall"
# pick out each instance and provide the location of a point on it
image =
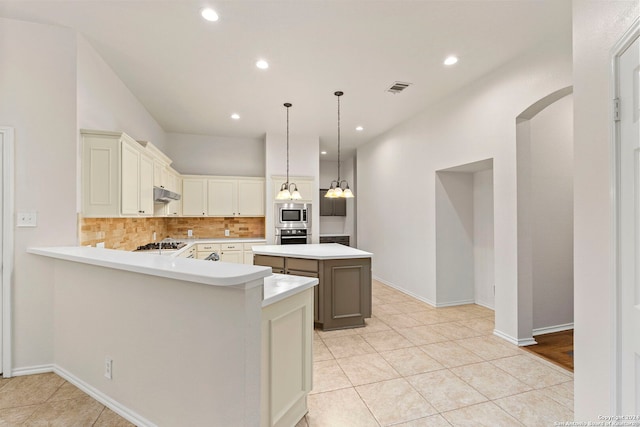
(551, 156)
(38, 99)
(454, 239)
(475, 123)
(340, 224)
(304, 161)
(105, 103)
(216, 155)
(597, 26)
(484, 262)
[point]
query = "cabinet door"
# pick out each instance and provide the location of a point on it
(339, 207)
(222, 197)
(194, 196)
(100, 159)
(232, 256)
(251, 197)
(326, 205)
(145, 206)
(130, 189)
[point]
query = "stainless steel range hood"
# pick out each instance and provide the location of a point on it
(162, 195)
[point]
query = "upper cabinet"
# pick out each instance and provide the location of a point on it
(222, 196)
(332, 207)
(117, 176)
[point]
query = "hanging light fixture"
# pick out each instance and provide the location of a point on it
(288, 191)
(339, 188)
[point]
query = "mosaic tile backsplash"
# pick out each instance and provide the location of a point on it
(129, 233)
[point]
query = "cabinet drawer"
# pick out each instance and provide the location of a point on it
(208, 247)
(231, 246)
(302, 264)
(275, 262)
(302, 273)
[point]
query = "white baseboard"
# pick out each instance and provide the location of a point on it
(520, 342)
(428, 301)
(107, 401)
(31, 370)
(455, 303)
(115, 406)
(552, 329)
(404, 291)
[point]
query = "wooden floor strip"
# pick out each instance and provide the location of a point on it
(556, 348)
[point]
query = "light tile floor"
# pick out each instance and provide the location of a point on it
(416, 366)
(411, 366)
(48, 400)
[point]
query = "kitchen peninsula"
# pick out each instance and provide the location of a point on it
(343, 295)
(174, 341)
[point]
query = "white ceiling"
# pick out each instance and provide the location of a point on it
(191, 75)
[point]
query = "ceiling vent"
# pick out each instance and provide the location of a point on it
(398, 87)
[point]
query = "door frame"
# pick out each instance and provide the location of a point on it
(7, 247)
(616, 52)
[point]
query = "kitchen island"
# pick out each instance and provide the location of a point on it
(343, 295)
(186, 342)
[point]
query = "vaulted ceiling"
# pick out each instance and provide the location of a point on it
(192, 74)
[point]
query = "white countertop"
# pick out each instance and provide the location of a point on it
(190, 270)
(314, 251)
(280, 286)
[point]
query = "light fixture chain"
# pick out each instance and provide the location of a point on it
(287, 146)
(338, 140)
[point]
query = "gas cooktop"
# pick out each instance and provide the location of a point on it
(154, 246)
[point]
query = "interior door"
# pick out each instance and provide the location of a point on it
(629, 233)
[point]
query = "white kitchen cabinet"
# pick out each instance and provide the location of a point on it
(251, 197)
(236, 197)
(232, 252)
(137, 181)
(117, 176)
(287, 368)
(174, 183)
(222, 196)
(304, 184)
(194, 196)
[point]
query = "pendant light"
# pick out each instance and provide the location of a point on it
(339, 188)
(288, 191)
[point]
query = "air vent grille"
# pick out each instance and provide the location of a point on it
(398, 87)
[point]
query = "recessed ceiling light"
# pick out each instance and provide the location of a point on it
(323, 152)
(359, 128)
(235, 116)
(262, 64)
(209, 14)
(451, 60)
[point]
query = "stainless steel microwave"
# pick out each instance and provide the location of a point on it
(293, 215)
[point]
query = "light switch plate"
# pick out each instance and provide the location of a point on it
(27, 219)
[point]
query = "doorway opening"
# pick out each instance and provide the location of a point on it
(464, 235)
(544, 153)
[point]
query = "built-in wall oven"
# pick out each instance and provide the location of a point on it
(293, 236)
(293, 223)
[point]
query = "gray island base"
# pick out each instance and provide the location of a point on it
(342, 298)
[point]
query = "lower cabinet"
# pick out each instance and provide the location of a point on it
(287, 368)
(342, 299)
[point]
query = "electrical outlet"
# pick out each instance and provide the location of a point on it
(189, 233)
(100, 245)
(226, 233)
(154, 236)
(108, 368)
